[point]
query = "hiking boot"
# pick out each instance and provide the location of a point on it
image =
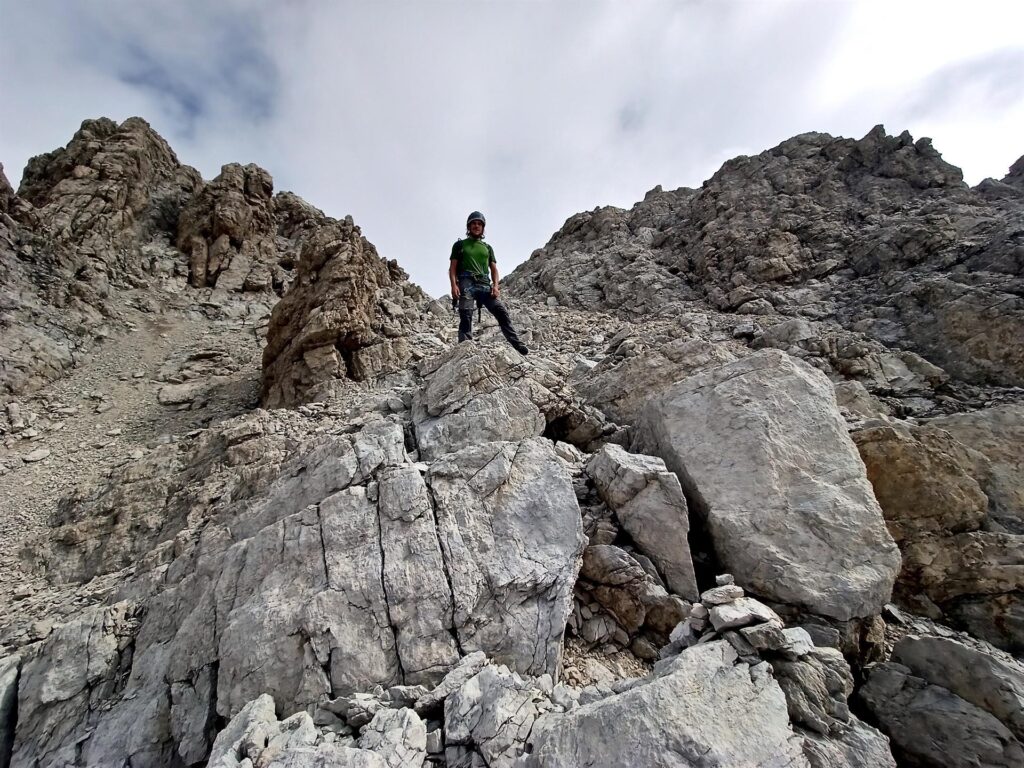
(521, 348)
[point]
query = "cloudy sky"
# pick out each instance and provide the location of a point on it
(407, 115)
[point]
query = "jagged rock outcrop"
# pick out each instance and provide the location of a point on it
(877, 235)
(963, 552)
(228, 232)
(429, 553)
(300, 569)
(947, 702)
(765, 460)
(78, 227)
(349, 316)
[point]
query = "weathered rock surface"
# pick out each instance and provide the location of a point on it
(694, 712)
(410, 572)
(960, 562)
(284, 588)
(228, 232)
(488, 720)
(649, 502)
(937, 713)
(348, 316)
(922, 479)
(475, 393)
(763, 455)
(998, 434)
(878, 236)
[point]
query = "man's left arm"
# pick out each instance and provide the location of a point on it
(495, 288)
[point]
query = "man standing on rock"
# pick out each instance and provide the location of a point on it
(474, 277)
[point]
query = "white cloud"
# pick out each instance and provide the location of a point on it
(407, 115)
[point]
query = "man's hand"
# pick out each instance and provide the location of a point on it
(456, 292)
(495, 290)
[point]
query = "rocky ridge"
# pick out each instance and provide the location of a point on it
(680, 520)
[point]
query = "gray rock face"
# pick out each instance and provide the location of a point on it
(877, 236)
(928, 725)
(488, 720)
(979, 674)
(997, 434)
(330, 572)
(753, 443)
(472, 396)
(697, 712)
(511, 536)
(649, 503)
(9, 669)
(255, 737)
(859, 746)
(398, 736)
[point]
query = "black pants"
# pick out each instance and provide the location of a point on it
(471, 292)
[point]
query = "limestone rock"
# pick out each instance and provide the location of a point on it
(931, 726)
(752, 442)
(347, 317)
(922, 480)
(10, 667)
(977, 578)
(398, 736)
(227, 231)
(511, 536)
(996, 433)
(859, 746)
(695, 712)
(649, 503)
(977, 673)
(488, 720)
(467, 399)
(409, 573)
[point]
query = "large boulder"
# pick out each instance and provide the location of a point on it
(699, 710)
(764, 457)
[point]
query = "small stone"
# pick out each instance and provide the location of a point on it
(104, 407)
(37, 455)
(137, 454)
(435, 742)
(724, 579)
(740, 613)
(138, 374)
(698, 611)
(720, 595)
(114, 432)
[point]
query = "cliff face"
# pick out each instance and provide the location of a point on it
(265, 511)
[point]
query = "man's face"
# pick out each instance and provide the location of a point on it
(476, 228)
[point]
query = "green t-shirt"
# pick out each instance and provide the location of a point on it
(475, 257)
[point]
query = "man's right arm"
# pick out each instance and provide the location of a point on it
(454, 277)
